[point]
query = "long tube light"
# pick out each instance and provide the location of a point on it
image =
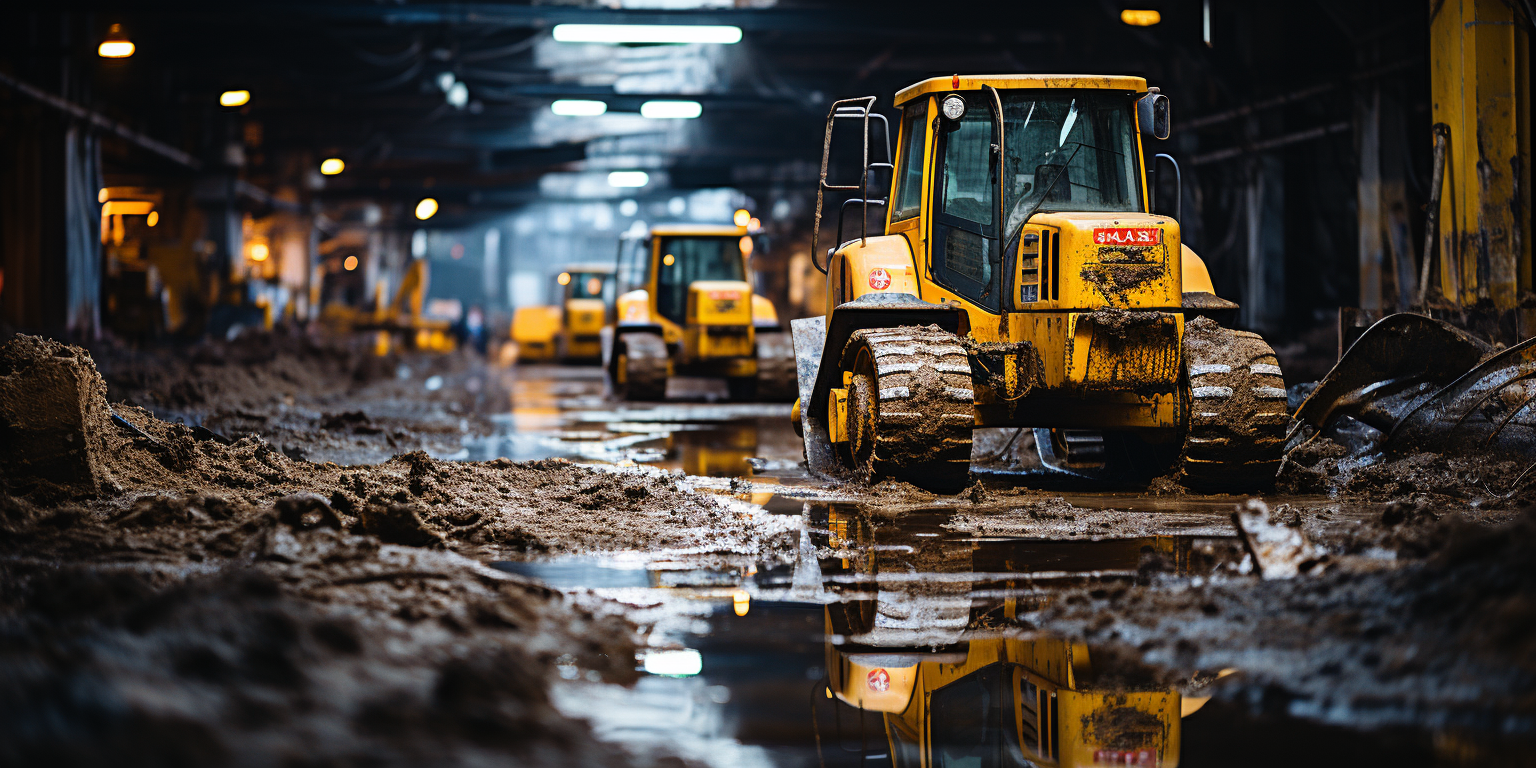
(616, 34)
(628, 179)
(671, 109)
(578, 107)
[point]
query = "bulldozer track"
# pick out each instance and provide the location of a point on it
(645, 361)
(1238, 413)
(910, 407)
(776, 367)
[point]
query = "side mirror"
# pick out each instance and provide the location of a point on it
(1152, 111)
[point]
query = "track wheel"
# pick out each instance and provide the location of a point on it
(910, 412)
(640, 367)
(1238, 417)
(776, 381)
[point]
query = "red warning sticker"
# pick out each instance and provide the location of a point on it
(879, 279)
(879, 681)
(1127, 236)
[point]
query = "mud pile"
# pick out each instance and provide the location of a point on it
(187, 599)
(205, 632)
(333, 400)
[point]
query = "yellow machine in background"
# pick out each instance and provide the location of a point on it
(572, 331)
(685, 307)
(399, 322)
(1024, 280)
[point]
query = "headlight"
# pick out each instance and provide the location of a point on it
(954, 106)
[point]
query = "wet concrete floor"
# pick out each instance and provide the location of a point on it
(890, 639)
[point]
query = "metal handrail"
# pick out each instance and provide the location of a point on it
(861, 109)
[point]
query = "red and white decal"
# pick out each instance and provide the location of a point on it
(879, 279)
(725, 295)
(1127, 236)
(879, 681)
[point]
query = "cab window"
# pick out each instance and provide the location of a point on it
(634, 264)
(965, 255)
(909, 175)
(973, 722)
(685, 260)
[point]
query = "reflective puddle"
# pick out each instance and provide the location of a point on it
(900, 634)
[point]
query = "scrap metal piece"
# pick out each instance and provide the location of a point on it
(1487, 410)
(1393, 367)
(1279, 552)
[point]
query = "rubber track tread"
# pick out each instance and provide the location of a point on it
(1235, 441)
(932, 451)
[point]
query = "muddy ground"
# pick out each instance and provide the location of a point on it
(273, 581)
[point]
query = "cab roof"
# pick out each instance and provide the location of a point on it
(1005, 82)
(606, 269)
(699, 230)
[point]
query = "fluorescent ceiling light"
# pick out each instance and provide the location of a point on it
(578, 107)
(647, 33)
(628, 179)
(671, 109)
(684, 663)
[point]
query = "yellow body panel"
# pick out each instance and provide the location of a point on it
(1193, 274)
(877, 265)
(1480, 82)
(534, 330)
(719, 322)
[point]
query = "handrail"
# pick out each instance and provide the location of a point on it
(861, 109)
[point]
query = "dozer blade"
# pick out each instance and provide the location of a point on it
(810, 337)
(1490, 409)
(1396, 365)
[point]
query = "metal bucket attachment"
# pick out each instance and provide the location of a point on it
(1397, 364)
(1491, 409)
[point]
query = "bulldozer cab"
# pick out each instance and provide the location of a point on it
(658, 273)
(1017, 193)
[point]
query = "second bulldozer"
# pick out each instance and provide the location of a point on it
(1024, 279)
(685, 308)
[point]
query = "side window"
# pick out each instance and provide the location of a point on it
(909, 176)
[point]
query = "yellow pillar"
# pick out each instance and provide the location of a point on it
(1480, 81)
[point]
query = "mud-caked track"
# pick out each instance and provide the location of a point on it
(1237, 414)
(910, 405)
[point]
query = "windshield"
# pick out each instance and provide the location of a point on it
(1068, 151)
(685, 260)
(973, 721)
(588, 285)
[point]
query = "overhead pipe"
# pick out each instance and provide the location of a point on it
(101, 121)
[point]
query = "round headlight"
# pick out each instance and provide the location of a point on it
(954, 106)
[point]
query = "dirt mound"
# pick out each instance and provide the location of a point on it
(197, 632)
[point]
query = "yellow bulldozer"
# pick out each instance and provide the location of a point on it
(1025, 279)
(571, 331)
(686, 308)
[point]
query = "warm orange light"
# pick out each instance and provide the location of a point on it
(350, 263)
(426, 209)
(1137, 18)
(332, 166)
(594, 285)
(746, 245)
(127, 208)
(564, 278)
(741, 602)
(259, 252)
(154, 218)
(116, 45)
(234, 98)
(742, 217)
(101, 197)
(669, 260)
(754, 224)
